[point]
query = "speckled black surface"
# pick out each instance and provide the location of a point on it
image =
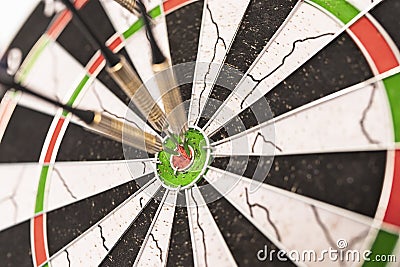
(180, 252)
(24, 137)
(67, 223)
(127, 248)
(336, 67)
(260, 21)
(244, 240)
(351, 180)
(387, 14)
(183, 27)
(15, 246)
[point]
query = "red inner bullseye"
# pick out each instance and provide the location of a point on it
(182, 161)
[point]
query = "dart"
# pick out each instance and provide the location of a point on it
(130, 5)
(124, 75)
(100, 123)
(170, 92)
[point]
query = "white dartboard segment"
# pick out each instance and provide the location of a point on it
(155, 247)
(73, 182)
(18, 187)
(361, 117)
(70, 183)
(93, 245)
(209, 244)
(288, 51)
(361, 4)
(273, 213)
(220, 22)
(54, 74)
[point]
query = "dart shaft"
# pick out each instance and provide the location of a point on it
(128, 4)
(171, 97)
(125, 133)
(130, 83)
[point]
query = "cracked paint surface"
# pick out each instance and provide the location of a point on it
(103, 238)
(258, 81)
(253, 205)
(284, 208)
(155, 248)
(98, 240)
(209, 245)
(219, 24)
(316, 129)
(64, 183)
(287, 47)
(200, 227)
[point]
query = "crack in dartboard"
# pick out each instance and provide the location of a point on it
(219, 38)
(265, 141)
(11, 197)
(200, 227)
(157, 245)
(144, 167)
(103, 238)
(328, 236)
(364, 117)
(252, 205)
(64, 183)
(68, 259)
(140, 202)
(361, 236)
(323, 227)
(96, 94)
(258, 81)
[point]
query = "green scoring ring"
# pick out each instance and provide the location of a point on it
(197, 140)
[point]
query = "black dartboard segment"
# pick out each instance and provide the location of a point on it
(183, 28)
(18, 143)
(67, 223)
(386, 14)
(260, 22)
(357, 177)
(338, 66)
(134, 236)
(80, 144)
(180, 251)
(244, 245)
(15, 246)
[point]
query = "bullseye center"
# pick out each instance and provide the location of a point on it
(183, 161)
(181, 167)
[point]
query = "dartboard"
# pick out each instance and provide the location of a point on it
(293, 114)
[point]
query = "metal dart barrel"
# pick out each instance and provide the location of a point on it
(129, 135)
(130, 83)
(128, 4)
(171, 97)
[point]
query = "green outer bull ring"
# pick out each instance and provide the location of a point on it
(180, 180)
